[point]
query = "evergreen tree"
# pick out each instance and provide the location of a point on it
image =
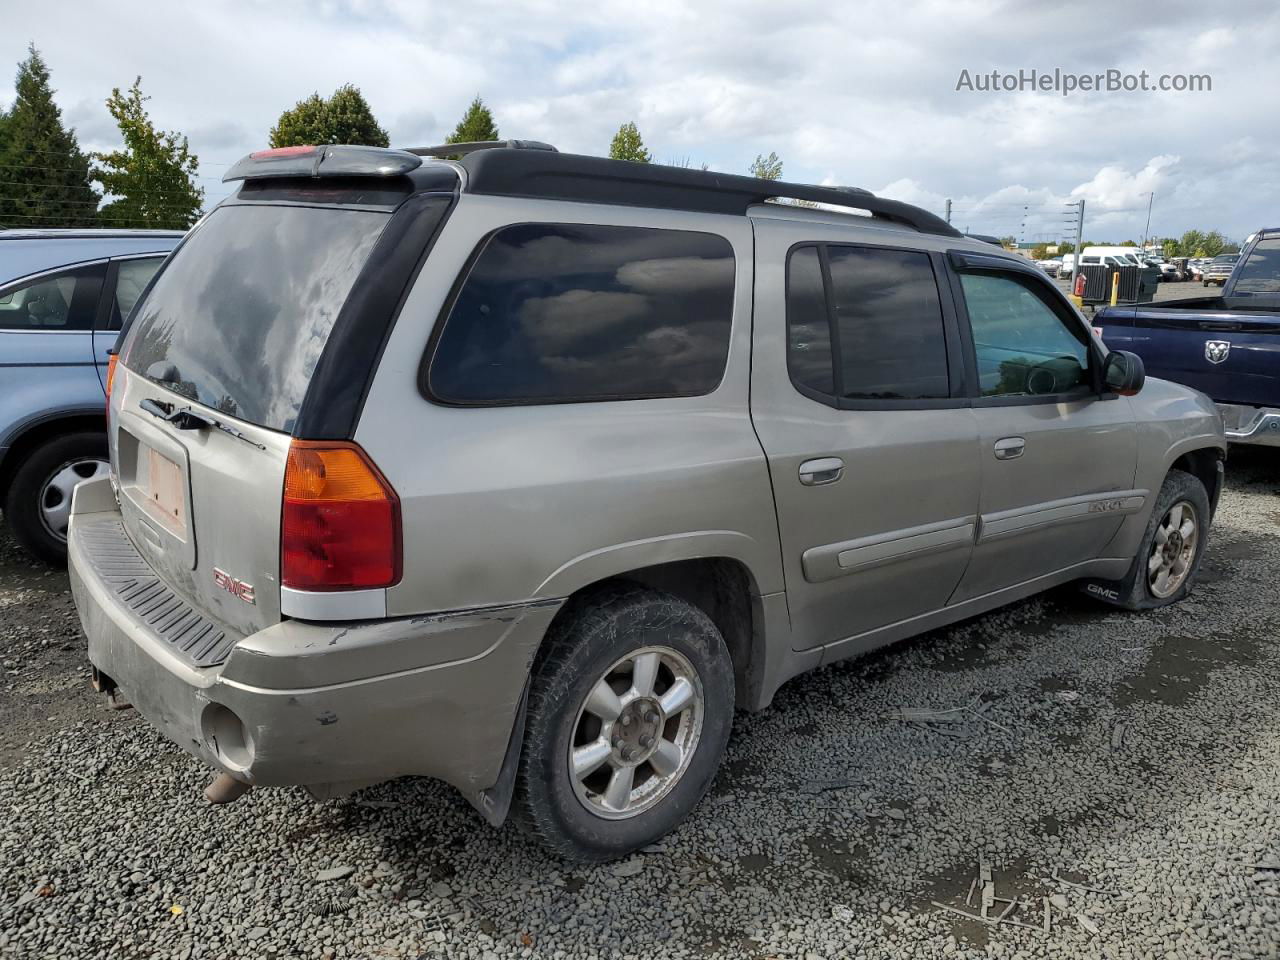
(766, 168)
(45, 180)
(345, 117)
(627, 145)
(476, 124)
(153, 177)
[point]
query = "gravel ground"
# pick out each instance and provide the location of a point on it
(830, 832)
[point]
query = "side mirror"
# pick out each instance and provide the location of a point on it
(1123, 373)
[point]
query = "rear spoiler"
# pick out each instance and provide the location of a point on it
(347, 160)
(332, 160)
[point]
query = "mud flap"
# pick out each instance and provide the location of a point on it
(1108, 591)
(494, 803)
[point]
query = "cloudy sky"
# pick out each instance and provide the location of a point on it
(853, 93)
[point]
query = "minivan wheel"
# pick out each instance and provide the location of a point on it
(1167, 560)
(630, 707)
(38, 505)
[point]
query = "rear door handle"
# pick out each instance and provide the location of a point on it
(1010, 448)
(814, 473)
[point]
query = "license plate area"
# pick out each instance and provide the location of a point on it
(165, 491)
(155, 493)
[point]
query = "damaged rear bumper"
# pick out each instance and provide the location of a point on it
(328, 706)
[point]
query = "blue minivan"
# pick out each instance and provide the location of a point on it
(63, 295)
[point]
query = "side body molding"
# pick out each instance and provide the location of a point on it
(853, 556)
(1008, 523)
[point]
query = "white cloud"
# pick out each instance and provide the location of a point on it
(850, 93)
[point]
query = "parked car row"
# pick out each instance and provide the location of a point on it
(524, 471)
(1206, 270)
(63, 294)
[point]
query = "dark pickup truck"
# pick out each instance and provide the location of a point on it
(1227, 347)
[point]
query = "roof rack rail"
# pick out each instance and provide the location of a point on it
(473, 146)
(576, 177)
(986, 238)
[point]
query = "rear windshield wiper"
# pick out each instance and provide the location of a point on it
(185, 418)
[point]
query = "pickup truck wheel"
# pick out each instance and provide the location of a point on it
(38, 505)
(630, 707)
(1167, 561)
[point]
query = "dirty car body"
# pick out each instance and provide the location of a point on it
(421, 343)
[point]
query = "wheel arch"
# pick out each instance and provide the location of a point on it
(34, 432)
(1205, 463)
(723, 588)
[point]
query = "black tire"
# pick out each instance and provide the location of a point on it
(22, 508)
(590, 636)
(1135, 592)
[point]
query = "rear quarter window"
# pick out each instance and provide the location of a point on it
(561, 313)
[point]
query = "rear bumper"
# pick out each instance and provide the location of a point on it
(321, 705)
(1256, 425)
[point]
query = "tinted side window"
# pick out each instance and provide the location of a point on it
(569, 312)
(808, 327)
(1024, 348)
(889, 326)
(1261, 272)
(57, 301)
(132, 277)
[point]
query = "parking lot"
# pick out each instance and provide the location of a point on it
(1137, 755)
(1186, 290)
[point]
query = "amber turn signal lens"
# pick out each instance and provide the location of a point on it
(340, 522)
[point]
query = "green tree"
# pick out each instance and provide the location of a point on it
(1213, 243)
(1189, 245)
(152, 179)
(345, 117)
(1170, 248)
(476, 125)
(1040, 251)
(1066, 248)
(686, 163)
(627, 145)
(766, 168)
(45, 178)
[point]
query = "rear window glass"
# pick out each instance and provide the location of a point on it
(239, 317)
(1261, 272)
(554, 313)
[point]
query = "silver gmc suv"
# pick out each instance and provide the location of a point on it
(524, 470)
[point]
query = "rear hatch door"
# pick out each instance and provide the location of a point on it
(213, 371)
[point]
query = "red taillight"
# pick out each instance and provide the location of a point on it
(340, 525)
(282, 152)
(112, 360)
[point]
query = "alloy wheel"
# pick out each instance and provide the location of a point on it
(636, 732)
(1173, 551)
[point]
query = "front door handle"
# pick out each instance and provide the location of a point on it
(814, 473)
(1010, 448)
